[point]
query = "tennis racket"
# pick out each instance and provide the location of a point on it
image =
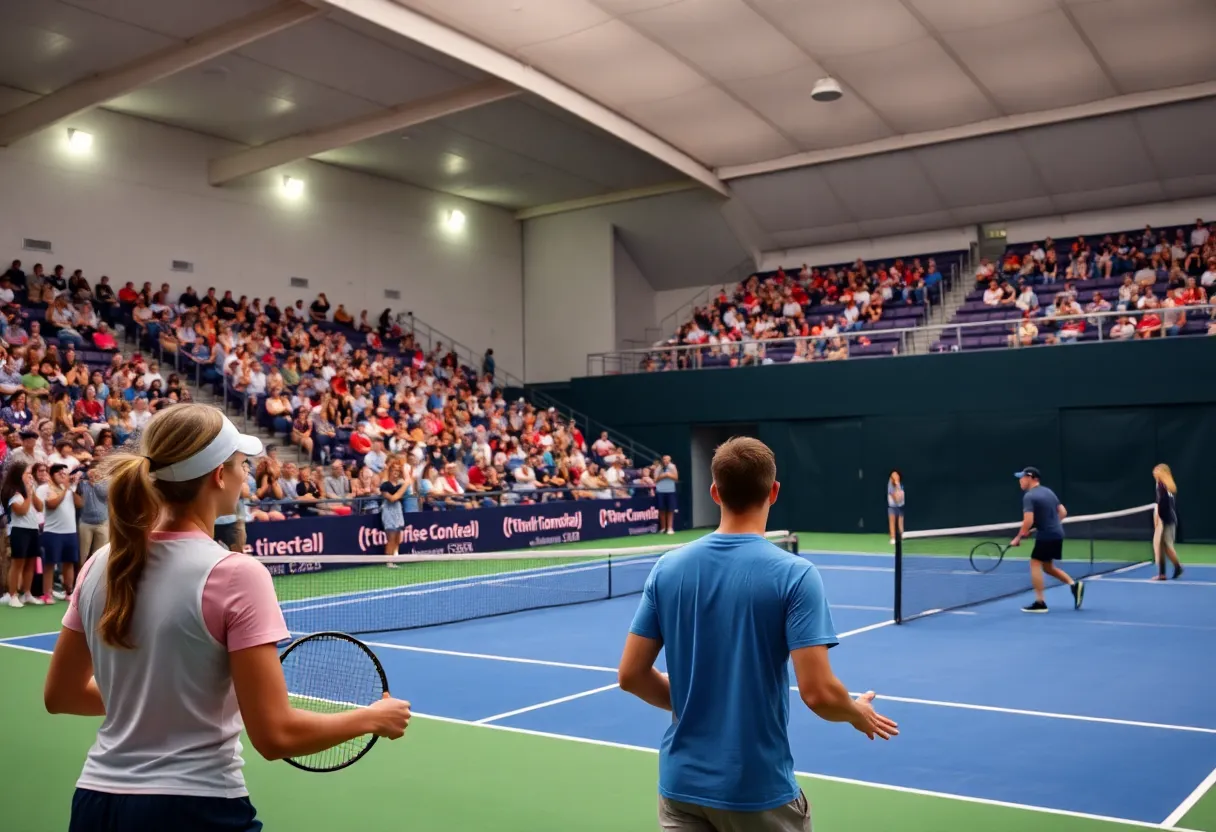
(330, 673)
(987, 555)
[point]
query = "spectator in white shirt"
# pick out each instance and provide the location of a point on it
(1123, 329)
(376, 459)
(525, 476)
(1208, 278)
(63, 456)
(1199, 235)
(1037, 253)
(993, 294)
(1027, 301)
(140, 414)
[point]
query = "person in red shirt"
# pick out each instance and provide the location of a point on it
(1149, 324)
(127, 294)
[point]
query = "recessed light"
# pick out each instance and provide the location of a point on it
(455, 220)
(79, 140)
(293, 186)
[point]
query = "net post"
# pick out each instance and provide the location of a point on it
(899, 573)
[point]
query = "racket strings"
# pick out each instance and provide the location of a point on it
(328, 675)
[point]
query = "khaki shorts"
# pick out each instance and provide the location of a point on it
(1165, 534)
(675, 816)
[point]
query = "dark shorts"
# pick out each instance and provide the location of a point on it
(225, 535)
(23, 543)
(895, 511)
(1048, 550)
(60, 548)
(100, 812)
(667, 501)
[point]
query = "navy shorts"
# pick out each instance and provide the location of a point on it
(667, 501)
(1048, 550)
(101, 812)
(23, 543)
(895, 511)
(60, 548)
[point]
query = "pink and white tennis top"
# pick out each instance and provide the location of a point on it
(172, 725)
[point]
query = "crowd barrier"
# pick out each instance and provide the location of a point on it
(458, 532)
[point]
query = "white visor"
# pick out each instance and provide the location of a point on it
(226, 443)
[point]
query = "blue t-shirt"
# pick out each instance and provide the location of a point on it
(666, 486)
(732, 606)
(891, 489)
(1045, 505)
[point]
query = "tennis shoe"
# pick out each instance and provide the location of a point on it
(1177, 572)
(31, 600)
(59, 596)
(1037, 606)
(1078, 594)
(15, 602)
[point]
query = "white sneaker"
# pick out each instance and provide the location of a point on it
(391, 565)
(15, 602)
(891, 541)
(671, 531)
(31, 600)
(59, 596)
(5, 598)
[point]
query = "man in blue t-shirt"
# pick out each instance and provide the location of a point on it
(731, 610)
(1043, 512)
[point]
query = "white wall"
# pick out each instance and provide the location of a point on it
(881, 248)
(140, 199)
(569, 299)
(1158, 215)
(635, 299)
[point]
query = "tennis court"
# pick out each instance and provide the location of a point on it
(1096, 720)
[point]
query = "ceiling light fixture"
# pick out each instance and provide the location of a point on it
(455, 220)
(293, 186)
(79, 141)
(826, 89)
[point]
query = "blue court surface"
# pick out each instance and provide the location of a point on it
(1108, 711)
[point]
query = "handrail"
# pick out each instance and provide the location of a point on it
(369, 501)
(470, 358)
(688, 356)
(636, 449)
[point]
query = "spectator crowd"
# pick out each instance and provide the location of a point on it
(364, 403)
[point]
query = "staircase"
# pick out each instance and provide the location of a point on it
(962, 283)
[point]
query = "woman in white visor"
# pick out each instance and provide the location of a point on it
(172, 638)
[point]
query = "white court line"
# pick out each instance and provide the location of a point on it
(539, 705)
(24, 647)
(1044, 714)
(31, 635)
(983, 801)
(1158, 583)
(1160, 625)
(513, 659)
(1185, 806)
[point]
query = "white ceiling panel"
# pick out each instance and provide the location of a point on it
(520, 127)
(1180, 152)
(984, 170)
(724, 39)
(248, 102)
(953, 16)
(785, 100)
(1189, 187)
(885, 186)
(1034, 63)
(615, 65)
(177, 20)
(1000, 211)
(915, 88)
(907, 224)
(789, 200)
(1089, 155)
(45, 45)
(1142, 193)
(828, 28)
(712, 127)
(334, 56)
(513, 25)
(623, 7)
(1152, 44)
(818, 236)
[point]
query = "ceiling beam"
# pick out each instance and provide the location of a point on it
(417, 27)
(246, 162)
(605, 199)
(97, 89)
(989, 127)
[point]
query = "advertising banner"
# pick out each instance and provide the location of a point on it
(458, 532)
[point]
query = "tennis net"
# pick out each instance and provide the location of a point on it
(947, 569)
(369, 594)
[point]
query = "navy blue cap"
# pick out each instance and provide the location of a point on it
(1028, 471)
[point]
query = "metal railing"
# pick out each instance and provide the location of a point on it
(891, 342)
(592, 428)
(370, 504)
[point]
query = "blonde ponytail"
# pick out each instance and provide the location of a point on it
(1163, 473)
(137, 499)
(135, 506)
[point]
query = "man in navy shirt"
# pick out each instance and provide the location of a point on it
(1043, 512)
(731, 609)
